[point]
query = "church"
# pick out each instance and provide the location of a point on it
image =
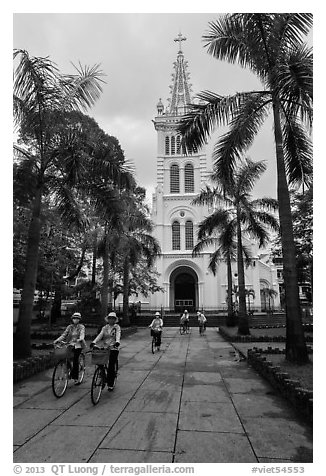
(186, 280)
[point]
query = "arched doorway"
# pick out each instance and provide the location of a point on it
(183, 289)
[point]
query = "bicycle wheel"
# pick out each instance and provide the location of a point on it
(60, 378)
(98, 383)
(153, 344)
(81, 368)
(201, 330)
(181, 329)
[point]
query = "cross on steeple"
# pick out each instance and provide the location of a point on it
(179, 39)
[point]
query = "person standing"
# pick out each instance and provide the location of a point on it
(201, 320)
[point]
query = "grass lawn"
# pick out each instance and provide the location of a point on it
(302, 373)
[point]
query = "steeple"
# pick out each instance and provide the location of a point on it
(180, 88)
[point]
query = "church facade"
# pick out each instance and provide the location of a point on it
(186, 280)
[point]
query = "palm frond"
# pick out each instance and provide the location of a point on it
(234, 38)
(247, 175)
(297, 152)
(244, 126)
(295, 83)
(212, 111)
(82, 89)
(290, 28)
(204, 243)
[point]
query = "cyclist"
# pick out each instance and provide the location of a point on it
(109, 338)
(201, 320)
(74, 335)
(156, 327)
(184, 321)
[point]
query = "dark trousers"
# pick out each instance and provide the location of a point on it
(111, 368)
(75, 364)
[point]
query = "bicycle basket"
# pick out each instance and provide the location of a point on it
(100, 356)
(64, 352)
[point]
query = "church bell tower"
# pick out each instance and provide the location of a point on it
(180, 176)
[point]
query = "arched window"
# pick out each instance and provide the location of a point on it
(178, 144)
(189, 232)
(189, 178)
(176, 235)
(167, 145)
(174, 179)
(172, 145)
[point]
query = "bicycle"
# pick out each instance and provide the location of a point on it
(184, 328)
(201, 329)
(62, 370)
(101, 357)
(155, 345)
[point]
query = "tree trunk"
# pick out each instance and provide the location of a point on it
(105, 283)
(94, 259)
(243, 326)
(296, 350)
(126, 267)
(230, 321)
(22, 338)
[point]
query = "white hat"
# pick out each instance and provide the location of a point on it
(112, 315)
(76, 315)
(157, 314)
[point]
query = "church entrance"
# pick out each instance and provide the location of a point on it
(183, 289)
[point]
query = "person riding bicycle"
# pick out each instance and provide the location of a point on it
(74, 335)
(201, 320)
(109, 338)
(184, 320)
(156, 327)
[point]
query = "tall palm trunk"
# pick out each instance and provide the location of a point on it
(296, 350)
(243, 327)
(126, 269)
(105, 283)
(94, 258)
(230, 317)
(22, 337)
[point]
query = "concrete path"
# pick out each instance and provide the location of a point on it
(192, 402)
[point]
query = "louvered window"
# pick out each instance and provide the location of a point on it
(176, 235)
(172, 145)
(174, 179)
(189, 232)
(167, 145)
(189, 178)
(178, 145)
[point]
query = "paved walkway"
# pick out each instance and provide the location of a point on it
(193, 402)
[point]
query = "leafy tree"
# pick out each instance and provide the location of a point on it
(56, 151)
(271, 46)
(240, 214)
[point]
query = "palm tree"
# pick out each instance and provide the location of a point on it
(249, 216)
(270, 294)
(271, 46)
(130, 240)
(56, 150)
(136, 241)
(220, 234)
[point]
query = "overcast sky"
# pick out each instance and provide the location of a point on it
(136, 52)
